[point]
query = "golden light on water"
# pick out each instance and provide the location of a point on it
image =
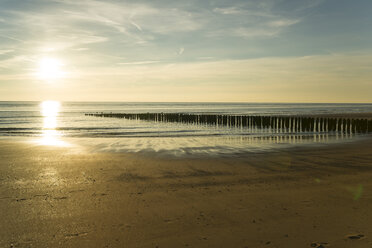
(50, 108)
(50, 134)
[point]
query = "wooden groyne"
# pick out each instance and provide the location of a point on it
(276, 124)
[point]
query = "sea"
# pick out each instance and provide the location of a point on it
(53, 123)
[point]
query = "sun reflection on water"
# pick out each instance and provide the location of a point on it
(50, 136)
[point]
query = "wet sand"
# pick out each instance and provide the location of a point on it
(299, 197)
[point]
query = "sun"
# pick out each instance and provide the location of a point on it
(50, 69)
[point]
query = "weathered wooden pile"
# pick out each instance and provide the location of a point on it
(279, 124)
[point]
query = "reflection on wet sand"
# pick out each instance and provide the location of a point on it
(294, 139)
(208, 145)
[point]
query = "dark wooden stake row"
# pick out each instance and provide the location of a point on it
(291, 124)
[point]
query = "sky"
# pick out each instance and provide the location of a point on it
(181, 51)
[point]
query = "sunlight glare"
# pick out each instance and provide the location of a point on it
(50, 136)
(50, 108)
(50, 69)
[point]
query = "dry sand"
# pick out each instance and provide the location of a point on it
(299, 197)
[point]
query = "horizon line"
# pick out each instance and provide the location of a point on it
(186, 102)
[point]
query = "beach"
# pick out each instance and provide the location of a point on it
(308, 196)
(185, 124)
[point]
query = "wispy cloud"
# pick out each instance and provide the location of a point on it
(283, 23)
(264, 29)
(254, 19)
(124, 16)
(11, 38)
(181, 50)
(139, 62)
(116, 27)
(265, 79)
(228, 11)
(6, 51)
(136, 25)
(15, 61)
(254, 32)
(141, 42)
(81, 49)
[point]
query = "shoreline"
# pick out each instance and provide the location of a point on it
(79, 145)
(55, 197)
(240, 146)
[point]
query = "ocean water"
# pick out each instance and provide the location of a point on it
(65, 123)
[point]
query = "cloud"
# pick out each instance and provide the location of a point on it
(267, 29)
(124, 16)
(283, 23)
(16, 61)
(294, 79)
(11, 38)
(206, 58)
(139, 62)
(253, 19)
(228, 11)
(2, 52)
(254, 32)
(312, 71)
(81, 49)
(91, 22)
(181, 50)
(136, 25)
(321, 78)
(117, 44)
(135, 29)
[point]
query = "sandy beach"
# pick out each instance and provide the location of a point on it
(185, 124)
(299, 197)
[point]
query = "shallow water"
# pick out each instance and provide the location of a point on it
(54, 123)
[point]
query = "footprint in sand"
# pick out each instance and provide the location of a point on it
(354, 237)
(319, 245)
